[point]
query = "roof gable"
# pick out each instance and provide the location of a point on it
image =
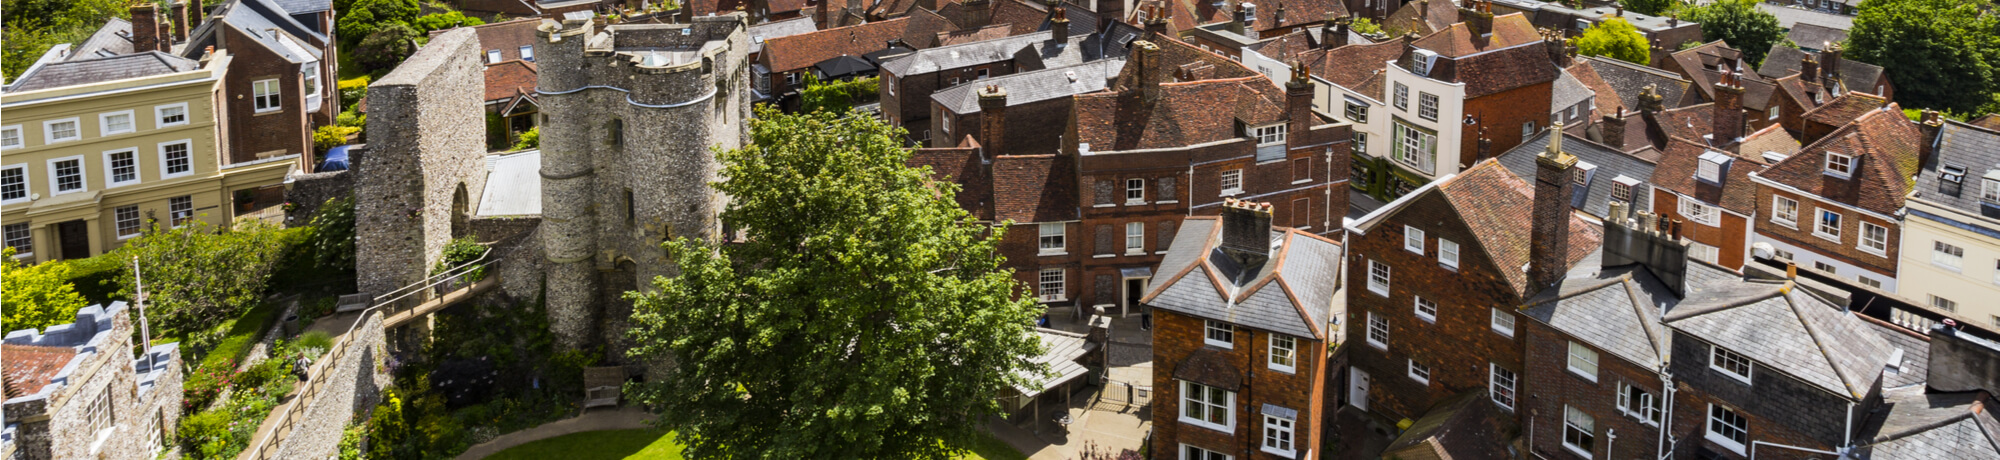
(1291, 293)
(1885, 147)
(1784, 329)
(785, 54)
(1490, 200)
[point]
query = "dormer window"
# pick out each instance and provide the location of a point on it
(1712, 166)
(1270, 134)
(1839, 165)
(1420, 62)
(1990, 190)
(1951, 180)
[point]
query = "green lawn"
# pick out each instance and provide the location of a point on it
(987, 447)
(591, 445)
(243, 331)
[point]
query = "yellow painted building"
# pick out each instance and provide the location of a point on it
(91, 147)
(1951, 229)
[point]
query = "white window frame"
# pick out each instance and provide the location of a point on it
(1269, 134)
(1503, 322)
(1697, 212)
(493, 56)
(104, 123)
(1989, 191)
(20, 137)
(1052, 277)
(1135, 191)
(1427, 106)
(1944, 303)
(27, 184)
(1709, 170)
(1413, 147)
(1715, 419)
(111, 168)
(1448, 253)
(1528, 129)
(1773, 115)
(166, 163)
(1402, 96)
(1949, 256)
(1620, 191)
(1421, 304)
(1227, 407)
(1413, 240)
(119, 219)
(1279, 436)
(1586, 427)
(1820, 228)
(1282, 352)
(528, 53)
(1839, 165)
(1785, 211)
(1499, 386)
(1578, 352)
(1869, 243)
(1705, 253)
(29, 231)
(1720, 359)
(1378, 325)
(1053, 238)
(1135, 238)
(260, 90)
(49, 130)
(82, 175)
(1646, 408)
(1232, 182)
(310, 70)
(1218, 334)
(160, 115)
(1379, 287)
(178, 217)
(1419, 372)
(1189, 452)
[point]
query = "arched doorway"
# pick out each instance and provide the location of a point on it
(461, 214)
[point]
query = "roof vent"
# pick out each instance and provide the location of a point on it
(1954, 174)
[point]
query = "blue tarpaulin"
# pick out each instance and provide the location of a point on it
(336, 159)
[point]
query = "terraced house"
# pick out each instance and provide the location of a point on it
(93, 149)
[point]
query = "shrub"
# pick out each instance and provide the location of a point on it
(197, 276)
(333, 237)
(459, 252)
(330, 136)
(314, 339)
(36, 296)
(206, 433)
(385, 46)
(97, 277)
(352, 91)
(446, 20)
(530, 139)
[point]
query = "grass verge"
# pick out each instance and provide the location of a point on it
(594, 445)
(987, 447)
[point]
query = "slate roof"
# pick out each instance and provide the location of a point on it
(1812, 36)
(1567, 91)
(1974, 149)
(304, 6)
(1682, 157)
(963, 36)
(1063, 350)
(1990, 121)
(256, 19)
(1291, 293)
(1885, 146)
(1035, 86)
(1916, 349)
(1023, 17)
(785, 54)
(112, 39)
(1791, 17)
(98, 70)
(1626, 80)
(1915, 425)
(1619, 309)
(1457, 40)
(1787, 330)
(769, 30)
(1034, 188)
(1462, 426)
(1609, 165)
(1033, 51)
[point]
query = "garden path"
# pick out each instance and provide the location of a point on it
(620, 418)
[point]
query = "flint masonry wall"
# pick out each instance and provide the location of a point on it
(633, 112)
(354, 385)
(426, 161)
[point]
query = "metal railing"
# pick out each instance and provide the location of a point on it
(316, 375)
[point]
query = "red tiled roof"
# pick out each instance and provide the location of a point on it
(1607, 96)
(925, 26)
(1034, 188)
(784, 54)
(1698, 64)
(955, 37)
(1844, 109)
(1354, 66)
(508, 78)
(1123, 119)
(1287, 47)
(1297, 12)
(785, 6)
(1458, 39)
(1990, 121)
(1441, 14)
(1772, 139)
(28, 368)
(1505, 70)
(1491, 201)
(1885, 146)
(1680, 159)
(960, 165)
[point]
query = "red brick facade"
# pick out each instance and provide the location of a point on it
(286, 131)
(1502, 115)
(1731, 237)
(1176, 337)
(1847, 248)
(1555, 387)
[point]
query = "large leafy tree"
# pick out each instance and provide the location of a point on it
(1740, 24)
(1941, 54)
(196, 276)
(36, 296)
(29, 27)
(864, 316)
(1652, 7)
(1615, 38)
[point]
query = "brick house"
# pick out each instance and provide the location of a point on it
(1605, 175)
(783, 63)
(76, 390)
(1243, 324)
(280, 83)
(1827, 68)
(1145, 163)
(1836, 205)
(1706, 65)
(1702, 184)
(1038, 103)
(908, 82)
(1434, 270)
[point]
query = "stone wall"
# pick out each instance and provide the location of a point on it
(354, 385)
(54, 421)
(426, 167)
(493, 229)
(308, 191)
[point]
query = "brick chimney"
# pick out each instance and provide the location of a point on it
(1334, 34)
(1156, 20)
(1727, 119)
(1246, 232)
(978, 13)
(1633, 237)
(146, 28)
(1059, 24)
(1809, 68)
(180, 13)
(1558, 47)
(1830, 65)
(1299, 106)
(1613, 129)
(196, 14)
(1548, 249)
(1149, 89)
(1929, 127)
(993, 120)
(1238, 20)
(1478, 19)
(1650, 101)
(819, 14)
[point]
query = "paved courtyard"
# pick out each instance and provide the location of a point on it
(1110, 415)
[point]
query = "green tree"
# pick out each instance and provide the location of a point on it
(837, 95)
(530, 139)
(197, 276)
(30, 27)
(386, 46)
(1652, 7)
(1615, 38)
(1942, 54)
(333, 234)
(441, 21)
(864, 316)
(36, 296)
(1740, 24)
(1365, 27)
(360, 20)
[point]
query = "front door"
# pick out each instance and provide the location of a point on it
(73, 240)
(1357, 391)
(1135, 288)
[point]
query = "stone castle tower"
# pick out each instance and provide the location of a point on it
(632, 113)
